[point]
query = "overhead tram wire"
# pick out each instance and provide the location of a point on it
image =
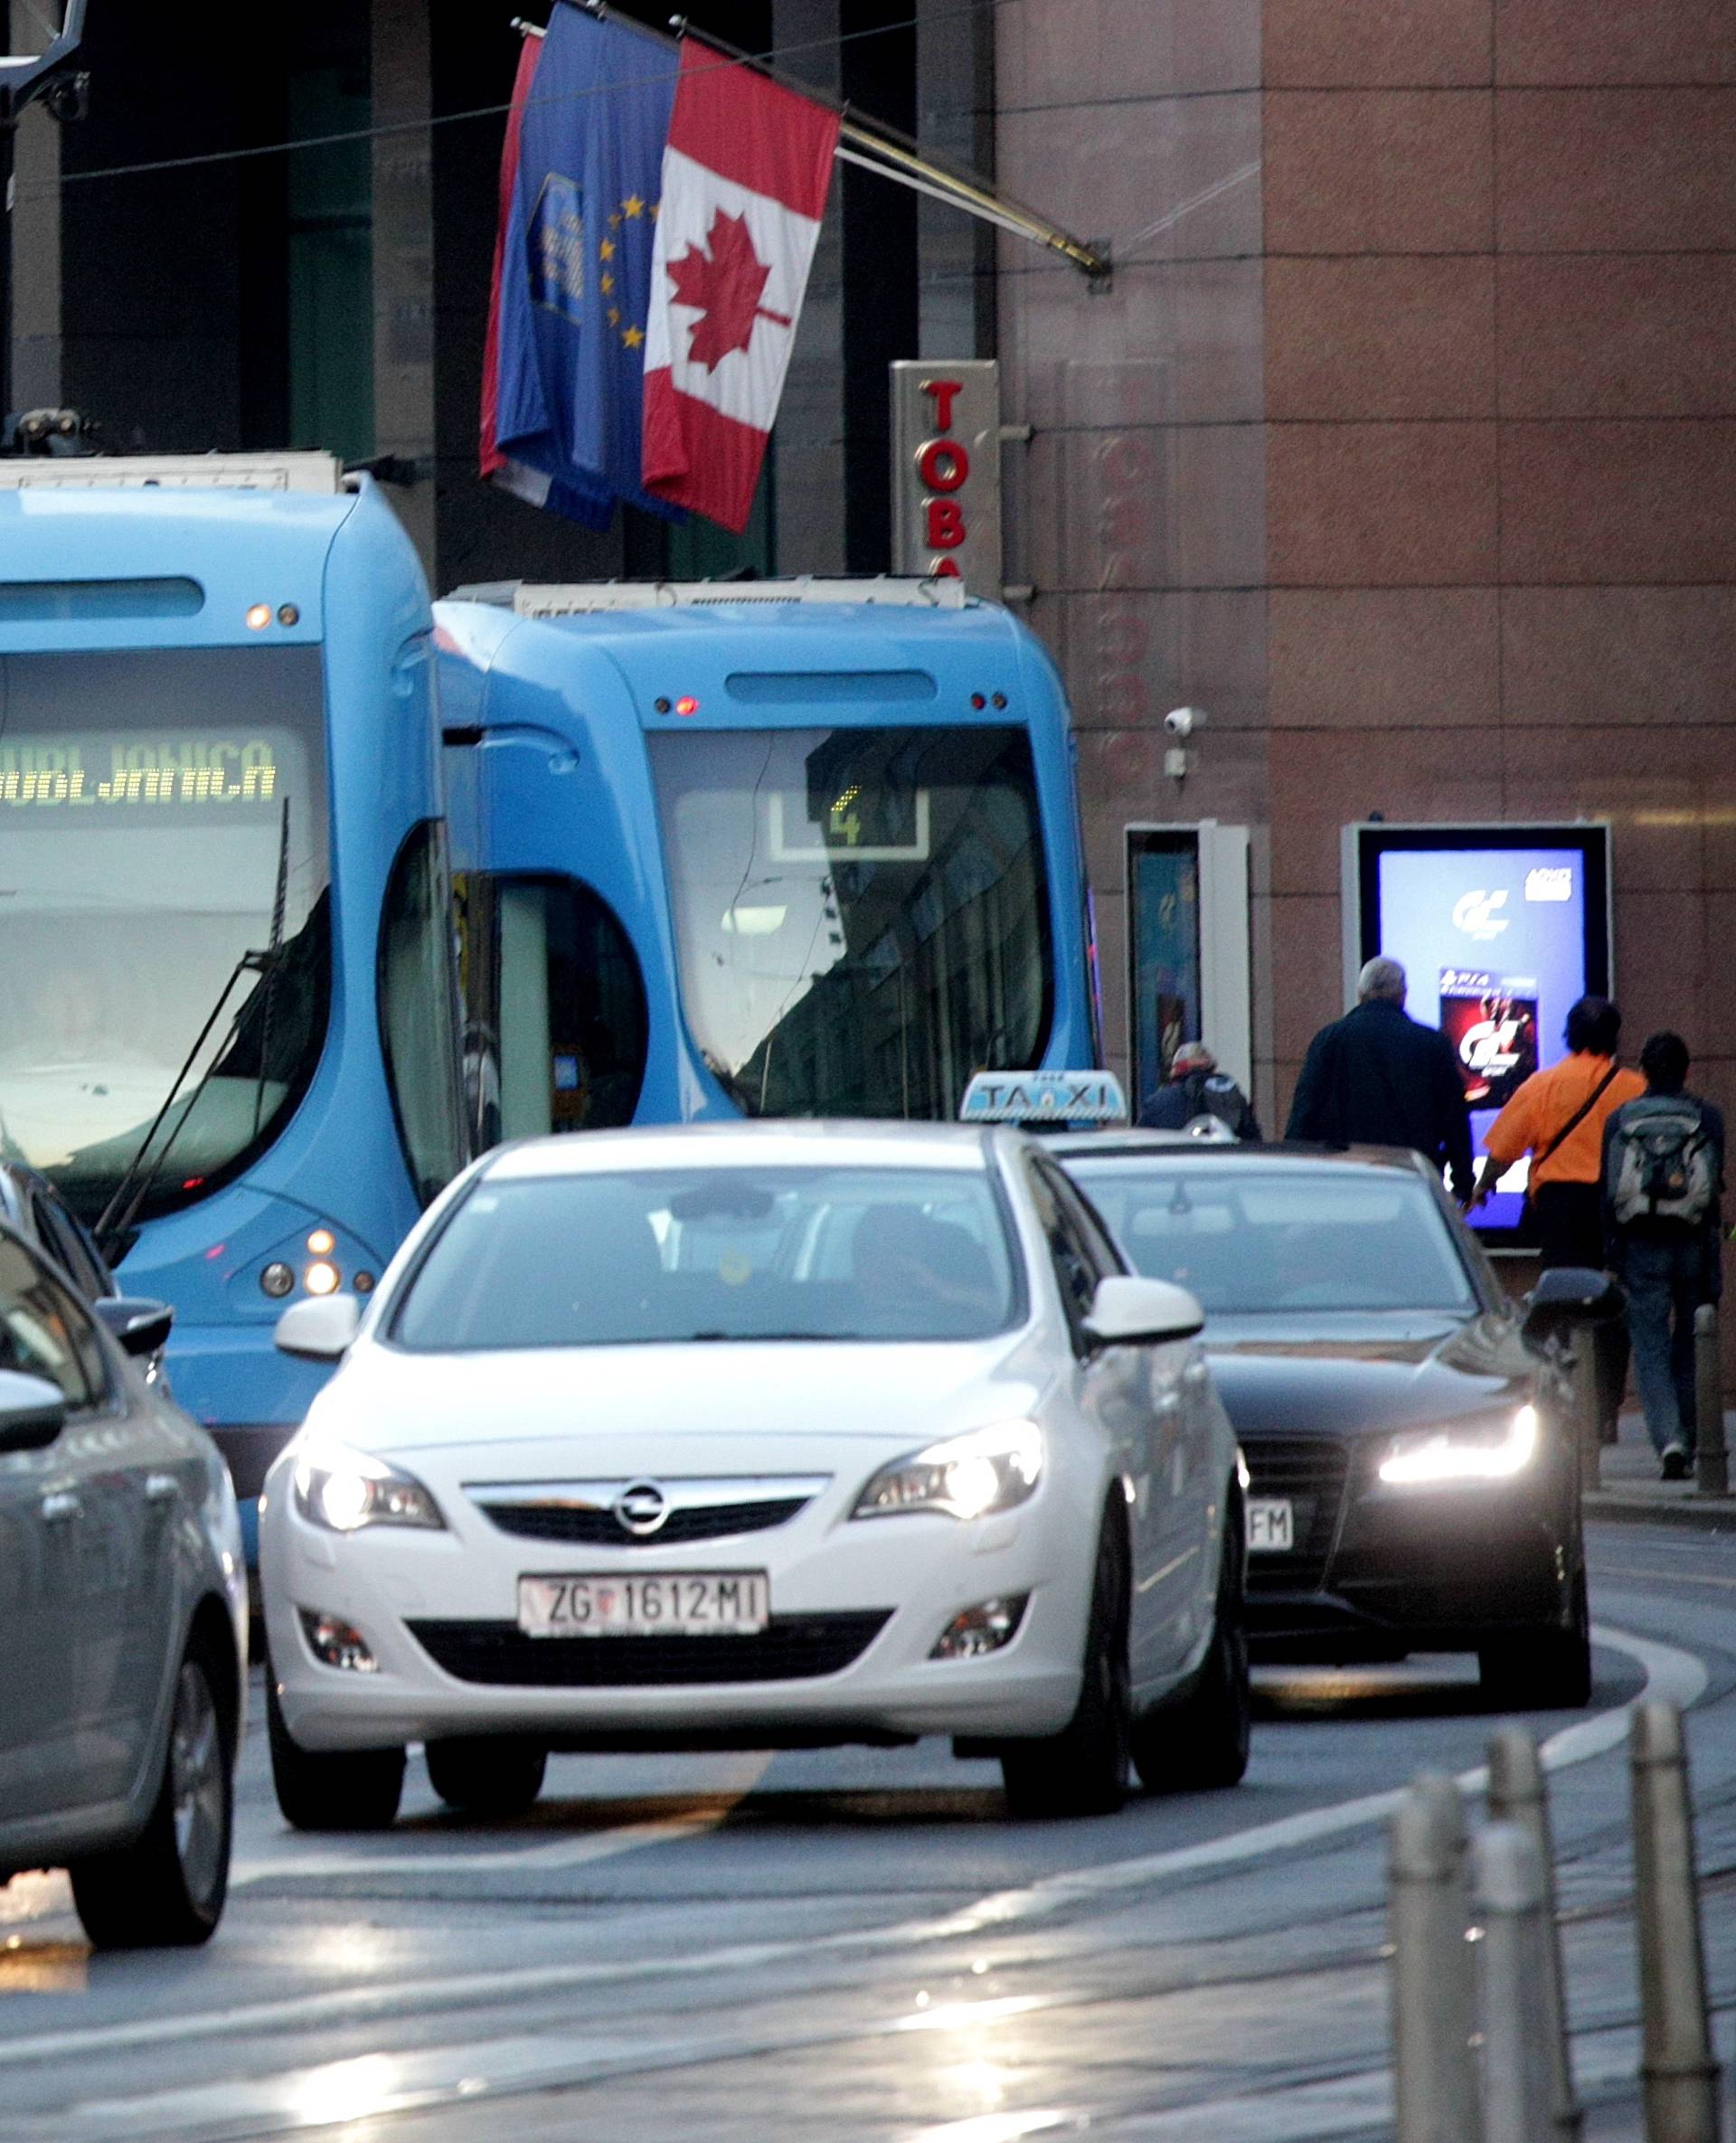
(480, 111)
(875, 146)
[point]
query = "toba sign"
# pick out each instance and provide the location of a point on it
(946, 471)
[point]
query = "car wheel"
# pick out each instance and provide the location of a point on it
(487, 1778)
(1082, 1771)
(1545, 1670)
(346, 1789)
(1203, 1741)
(167, 1887)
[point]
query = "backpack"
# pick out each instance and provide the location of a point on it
(1211, 1098)
(1662, 1166)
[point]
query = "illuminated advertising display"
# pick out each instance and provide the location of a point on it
(1499, 930)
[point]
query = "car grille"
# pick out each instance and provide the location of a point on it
(790, 1648)
(1312, 1473)
(603, 1529)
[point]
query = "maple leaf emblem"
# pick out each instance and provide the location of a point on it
(724, 287)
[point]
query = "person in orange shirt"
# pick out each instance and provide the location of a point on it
(1557, 1116)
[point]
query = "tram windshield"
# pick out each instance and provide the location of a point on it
(861, 914)
(163, 839)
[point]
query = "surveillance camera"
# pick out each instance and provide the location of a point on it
(1182, 721)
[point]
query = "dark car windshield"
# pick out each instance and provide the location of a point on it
(1248, 1238)
(673, 1254)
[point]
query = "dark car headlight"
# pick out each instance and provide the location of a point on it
(1491, 1449)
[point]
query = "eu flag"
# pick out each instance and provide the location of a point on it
(577, 263)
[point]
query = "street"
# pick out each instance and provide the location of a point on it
(858, 1943)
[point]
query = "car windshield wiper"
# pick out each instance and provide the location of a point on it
(747, 1338)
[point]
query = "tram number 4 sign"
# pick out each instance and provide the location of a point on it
(946, 472)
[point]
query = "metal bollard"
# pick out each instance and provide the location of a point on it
(1518, 1795)
(1434, 1990)
(1579, 1366)
(1711, 1461)
(1517, 2081)
(1679, 2076)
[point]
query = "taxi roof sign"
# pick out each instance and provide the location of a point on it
(1044, 1097)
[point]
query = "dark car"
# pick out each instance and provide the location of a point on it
(123, 1617)
(1414, 1470)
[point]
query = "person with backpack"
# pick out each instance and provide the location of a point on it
(1196, 1088)
(1662, 1181)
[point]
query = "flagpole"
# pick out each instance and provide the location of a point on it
(882, 149)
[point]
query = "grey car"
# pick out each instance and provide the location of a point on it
(123, 1617)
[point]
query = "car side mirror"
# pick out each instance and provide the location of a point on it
(33, 1412)
(140, 1325)
(319, 1329)
(1127, 1310)
(1569, 1295)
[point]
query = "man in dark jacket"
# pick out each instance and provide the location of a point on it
(1196, 1088)
(1377, 1077)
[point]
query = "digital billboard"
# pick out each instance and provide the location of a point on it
(1499, 930)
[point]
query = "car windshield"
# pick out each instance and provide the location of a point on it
(1248, 1238)
(714, 1253)
(162, 815)
(860, 914)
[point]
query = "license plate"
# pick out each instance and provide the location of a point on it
(1271, 1525)
(716, 1603)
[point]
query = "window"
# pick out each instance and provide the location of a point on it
(861, 914)
(331, 263)
(62, 1238)
(1077, 1272)
(417, 1012)
(594, 1259)
(1164, 919)
(45, 1333)
(556, 1029)
(163, 823)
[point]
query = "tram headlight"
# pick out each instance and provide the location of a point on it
(322, 1278)
(276, 1280)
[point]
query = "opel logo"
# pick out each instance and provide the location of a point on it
(641, 1507)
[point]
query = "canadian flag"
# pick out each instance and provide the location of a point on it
(745, 176)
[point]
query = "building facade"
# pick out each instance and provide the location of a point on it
(1401, 442)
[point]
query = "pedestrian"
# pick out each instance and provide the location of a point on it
(1558, 1118)
(1662, 1179)
(1195, 1088)
(1378, 1077)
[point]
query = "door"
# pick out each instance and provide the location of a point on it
(107, 1510)
(40, 1547)
(1159, 1400)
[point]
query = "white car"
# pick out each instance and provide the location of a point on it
(755, 1435)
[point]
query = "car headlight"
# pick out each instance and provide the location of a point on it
(966, 1476)
(344, 1490)
(1482, 1451)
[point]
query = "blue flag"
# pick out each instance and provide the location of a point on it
(576, 262)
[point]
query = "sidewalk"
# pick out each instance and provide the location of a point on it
(1631, 1488)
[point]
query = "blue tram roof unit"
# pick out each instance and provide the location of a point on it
(174, 554)
(912, 650)
(601, 668)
